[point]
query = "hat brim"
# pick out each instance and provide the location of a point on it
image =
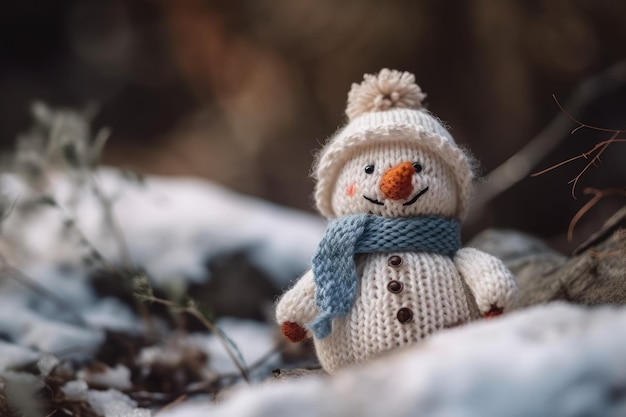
(348, 143)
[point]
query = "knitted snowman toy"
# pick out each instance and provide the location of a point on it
(390, 269)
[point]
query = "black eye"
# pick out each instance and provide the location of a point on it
(417, 166)
(369, 169)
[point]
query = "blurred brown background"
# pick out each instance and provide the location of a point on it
(242, 92)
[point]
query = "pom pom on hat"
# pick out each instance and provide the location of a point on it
(389, 89)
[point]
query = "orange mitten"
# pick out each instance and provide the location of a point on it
(293, 331)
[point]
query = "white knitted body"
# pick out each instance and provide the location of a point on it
(394, 159)
(432, 290)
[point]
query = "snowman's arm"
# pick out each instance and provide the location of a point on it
(492, 284)
(297, 305)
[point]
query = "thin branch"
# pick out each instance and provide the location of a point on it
(266, 356)
(520, 164)
(593, 161)
(118, 235)
(193, 311)
(585, 155)
(580, 124)
(603, 255)
(615, 223)
(597, 196)
(620, 236)
(71, 223)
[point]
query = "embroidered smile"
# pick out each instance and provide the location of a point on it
(408, 203)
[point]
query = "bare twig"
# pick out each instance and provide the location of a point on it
(194, 312)
(69, 222)
(585, 155)
(520, 165)
(118, 235)
(266, 356)
(615, 223)
(594, 155)
(604, 255)
(599, 148)
(593, 161)
(597, 196)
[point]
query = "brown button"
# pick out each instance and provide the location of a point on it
(395, 260)
(404, 315)
(395, 286)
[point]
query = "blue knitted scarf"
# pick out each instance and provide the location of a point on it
(334, 270)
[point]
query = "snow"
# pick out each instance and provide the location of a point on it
(191, 409)
(51, 336)
(552, 360)
(46, 364)
(172, 226)
(30, 319)
(118, 377)
(111, 313)
(109, 403)
(112, 403)
(12, 356)
(253, 341)
(75, 390)
(21, 390)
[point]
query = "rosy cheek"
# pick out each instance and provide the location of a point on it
(351, 189)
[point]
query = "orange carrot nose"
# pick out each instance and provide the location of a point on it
(396, 183)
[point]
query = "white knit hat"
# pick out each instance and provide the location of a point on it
(385, 107)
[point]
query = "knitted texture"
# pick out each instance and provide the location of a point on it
(397, 183)
(400, 120)
(484, 274)
(389, 89)
(389, 271)
(293, 331)
(433, 188)
(431, 288)
(334, 270)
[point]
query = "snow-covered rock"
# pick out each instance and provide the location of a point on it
(551, 360)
